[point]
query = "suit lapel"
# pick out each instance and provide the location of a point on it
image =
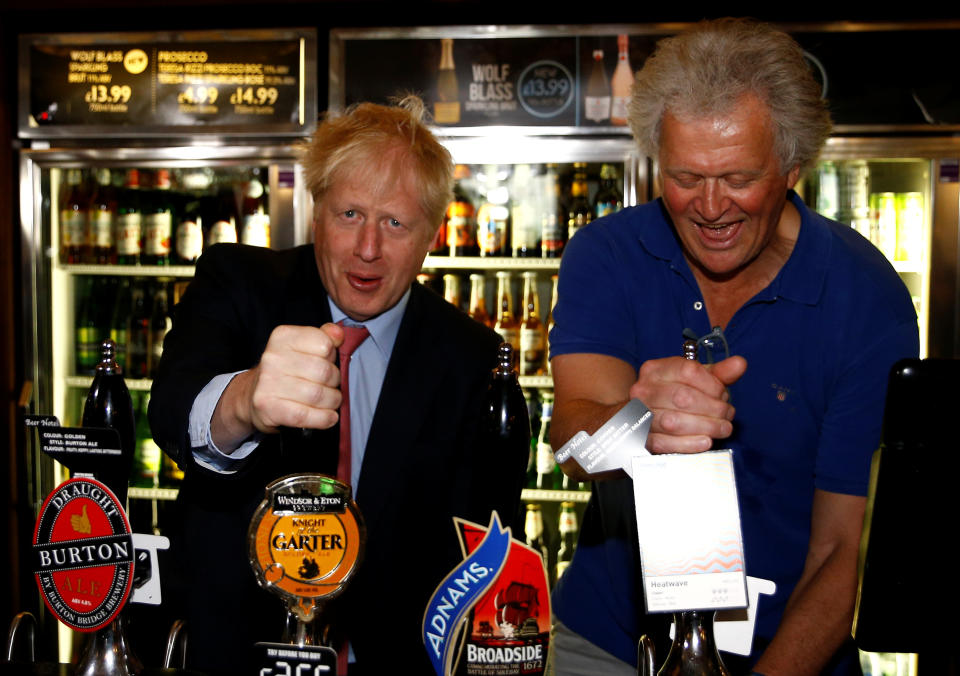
(395, 424)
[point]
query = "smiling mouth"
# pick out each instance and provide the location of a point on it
(718, 231)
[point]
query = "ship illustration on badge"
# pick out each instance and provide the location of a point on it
(306, 540)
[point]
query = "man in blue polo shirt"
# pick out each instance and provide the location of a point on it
(812, 312)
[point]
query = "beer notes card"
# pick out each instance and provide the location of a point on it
(688, 522)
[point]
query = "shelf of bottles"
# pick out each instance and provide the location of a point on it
(127, 239)
(501, 241)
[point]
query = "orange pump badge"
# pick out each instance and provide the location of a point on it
(308, 554)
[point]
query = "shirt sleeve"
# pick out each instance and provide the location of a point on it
(594, 314)
(205, 452)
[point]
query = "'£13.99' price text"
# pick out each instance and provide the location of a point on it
(254, 96)
(105, 94)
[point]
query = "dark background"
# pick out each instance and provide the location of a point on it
(875, 78)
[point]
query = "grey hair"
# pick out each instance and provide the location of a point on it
(705, 71)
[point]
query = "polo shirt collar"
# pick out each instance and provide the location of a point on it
(803, 275)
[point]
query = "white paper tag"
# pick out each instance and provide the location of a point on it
(688, 523)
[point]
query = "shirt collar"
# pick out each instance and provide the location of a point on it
(383, 328)
(802, 277)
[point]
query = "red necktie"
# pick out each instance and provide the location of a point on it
(352, 337)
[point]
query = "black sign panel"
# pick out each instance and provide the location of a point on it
(78, 84)
(514, 81)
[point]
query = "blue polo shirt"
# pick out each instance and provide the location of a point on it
(819, 343)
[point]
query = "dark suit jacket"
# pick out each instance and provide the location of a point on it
(425, 461)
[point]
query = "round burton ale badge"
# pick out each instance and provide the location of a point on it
(83, 554)
(306, 540)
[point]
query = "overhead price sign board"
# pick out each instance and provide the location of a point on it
(471, 78)
(158, 84)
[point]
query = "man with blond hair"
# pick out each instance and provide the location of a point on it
(249, 390)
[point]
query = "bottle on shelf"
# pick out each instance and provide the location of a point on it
(120, 322)
(255, 230)
(548, 473)
(597, 102)
(138, 333)
(621, 82)
(553, 303)
(568, 531)
(533, 532)
(129, 231)
(532, 338)
(74, 205)
(108, 404)
(147, 457)
(101, 249)
(608, 199)
(223, 225)
(446, 109)
(451, 289)
(87, 330)
(493, 215)
(157, 221)
(533, 413)
(579, 211)
(506, 324)
(553, 230)
(160, 323)
(524, 223)
(478, 303)
(189, 238)
(460, 221)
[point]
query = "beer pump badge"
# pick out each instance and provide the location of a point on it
(83, 554)
(490, 616)
(306, 539)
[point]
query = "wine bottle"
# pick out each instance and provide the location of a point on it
(101, 248)
(597, 102)
(446, 109)
(73, 218)
(158, 221)
(129, 224)
(621, 82)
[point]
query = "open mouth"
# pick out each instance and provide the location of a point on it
(718, 232)
(362, 282)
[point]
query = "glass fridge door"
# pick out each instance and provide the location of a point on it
(891, 200)
(111, 239)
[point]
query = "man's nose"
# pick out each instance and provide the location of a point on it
(713, 201)
(367, 246)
